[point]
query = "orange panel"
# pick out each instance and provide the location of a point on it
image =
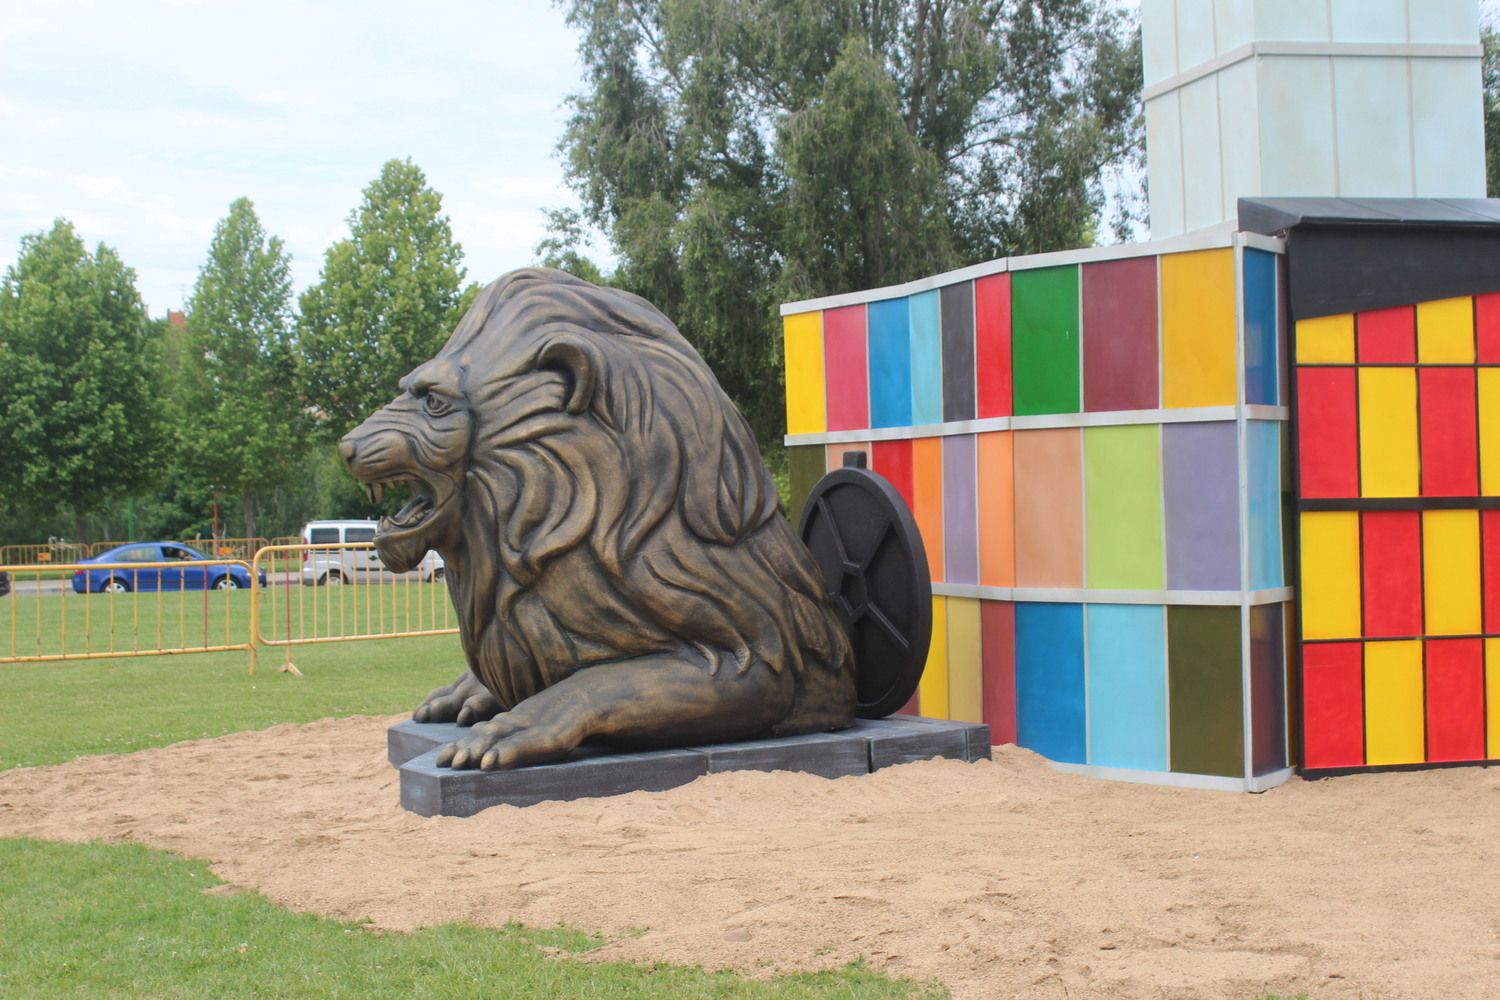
(997, 511)
(927, 486)
(1049, 507)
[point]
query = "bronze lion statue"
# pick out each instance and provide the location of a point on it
(614, 545)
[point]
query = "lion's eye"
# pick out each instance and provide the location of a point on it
(434, 404)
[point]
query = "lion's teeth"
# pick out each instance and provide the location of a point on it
(374, 491)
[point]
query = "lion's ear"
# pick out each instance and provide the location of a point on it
(579, 363)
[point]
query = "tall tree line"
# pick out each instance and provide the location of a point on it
(104, 408)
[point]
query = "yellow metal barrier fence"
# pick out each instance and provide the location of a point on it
(49, 554)
(129, 609)
(340, 593)
(145, 608)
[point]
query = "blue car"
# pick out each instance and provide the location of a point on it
(181, 575)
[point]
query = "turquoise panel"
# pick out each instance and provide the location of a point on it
(1127, 686)
(926, 358)
(1260, 327)
(1049, 681)
(1263, 466)
(890, 364)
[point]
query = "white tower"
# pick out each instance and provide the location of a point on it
(1279, 98)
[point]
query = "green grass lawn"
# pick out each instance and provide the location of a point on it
(55, 711)
(123, 921)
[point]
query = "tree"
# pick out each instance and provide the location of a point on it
(241, 424)
(385, 302)
(80, 399)
(739, 153)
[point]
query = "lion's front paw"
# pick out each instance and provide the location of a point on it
(465, 701)
(510, 740)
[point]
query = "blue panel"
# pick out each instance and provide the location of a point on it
(890, 364)
(1049, 681)
(1260, 327)
(1127, 686)
(1263, 465)
(926, 358)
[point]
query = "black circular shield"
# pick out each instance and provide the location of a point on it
(866, 544)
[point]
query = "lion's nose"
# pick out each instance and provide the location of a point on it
(346, 450)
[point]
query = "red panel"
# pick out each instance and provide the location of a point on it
(846, 376)
(892, 459)
(1489, 530)
(997, 631)
(1392, 567)
(1333, 695)
(1487, 323)
(1328, 432)
(992, 345)
(1387, 335)
(1119, 335)
(1455, 699)
(1450, 445)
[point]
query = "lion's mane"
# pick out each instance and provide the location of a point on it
(615, 504)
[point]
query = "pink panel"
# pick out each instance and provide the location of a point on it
(846, 376)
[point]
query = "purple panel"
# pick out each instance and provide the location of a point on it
(960, 507)
(1200, 476)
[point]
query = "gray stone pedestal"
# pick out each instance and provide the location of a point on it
(593, 771)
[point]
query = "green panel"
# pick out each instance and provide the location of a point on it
(1122, 484)
(806, 464)
(1044, 344)
(1205, 691)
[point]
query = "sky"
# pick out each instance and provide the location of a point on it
(140, 122)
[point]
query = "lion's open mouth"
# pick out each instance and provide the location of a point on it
(416, 510)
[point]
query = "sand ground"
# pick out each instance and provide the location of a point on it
(1000, 879)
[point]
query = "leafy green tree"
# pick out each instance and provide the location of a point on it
(385, 302)
(240, 422)
(738, 153)
(80, 401)
(562, 246)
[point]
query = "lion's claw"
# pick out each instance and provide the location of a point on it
(465, 701)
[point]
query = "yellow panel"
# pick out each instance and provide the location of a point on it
(1327, 340)
(1197, 329)
(1393, 703)
(805, 412)
(1389, 465)
(1330, 575)
(1489, 431)
(1445, 332)
(932, 690)
(1492, 695)
(1450, 571)
(965, 695)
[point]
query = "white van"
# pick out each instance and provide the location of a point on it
(338, 566)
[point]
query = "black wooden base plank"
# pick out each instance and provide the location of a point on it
(430, 790)
(597, 771)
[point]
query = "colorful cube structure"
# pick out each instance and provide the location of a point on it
(1094, 447)
(1120, 460)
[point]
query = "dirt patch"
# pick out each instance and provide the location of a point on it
(1000, 879)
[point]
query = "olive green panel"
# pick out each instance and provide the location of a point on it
(805, 466)
(1206, 691)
